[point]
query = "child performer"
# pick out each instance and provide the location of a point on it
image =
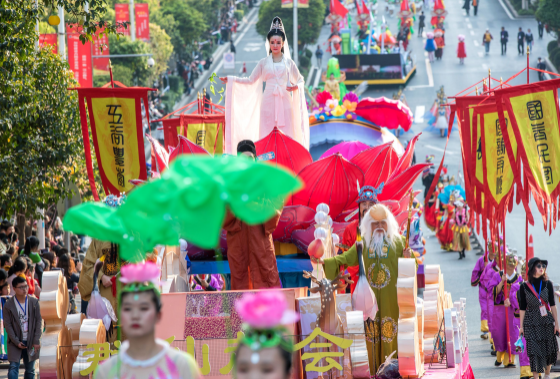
(461, 50)
(143, 356)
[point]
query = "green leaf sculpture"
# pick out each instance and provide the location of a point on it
(189, 201)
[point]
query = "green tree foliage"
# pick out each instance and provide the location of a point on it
(138, 65)
(310, 20)
(549, 13)
(183, 23)
(45, 28)
(40, 134)
(160, 44)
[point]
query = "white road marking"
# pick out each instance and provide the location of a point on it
(429, 71)
(419, 114)
(469, 26)
(476, 43)
(507, 10)
(430, 78)
(480, 54)
(425, 53)
(441, 150)
(485, 66)
(472, 32)
(467, 19)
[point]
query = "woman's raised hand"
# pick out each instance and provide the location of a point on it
(224, 80)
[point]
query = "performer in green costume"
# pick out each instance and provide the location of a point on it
(383, 246)
(333, 68)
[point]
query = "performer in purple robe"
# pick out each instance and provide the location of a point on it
(482, 295)
(524, 363)
(490, 269)
(500, 322)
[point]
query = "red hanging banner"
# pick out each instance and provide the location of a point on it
(142, 20)
(79, 56)
(50, 39)
(115, 116)
(535, 119)
(122, 14)
(101, 47)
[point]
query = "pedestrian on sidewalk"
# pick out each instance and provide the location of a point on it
(529, 39)
(22, 320)
(231, 47)
(520, 41)
(319, 56)
(486, 39)
(421, 24)
(537, 311)
(461, 50)
(504, 36)
(475, 6)
(467, 6)
(541, 29)
(541, 66)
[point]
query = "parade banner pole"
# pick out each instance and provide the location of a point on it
(489, 81)
(410, 204)
(528, 69)
(506, 292)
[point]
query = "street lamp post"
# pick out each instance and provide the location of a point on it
(61, 34)
(132, 21)
(295, 32)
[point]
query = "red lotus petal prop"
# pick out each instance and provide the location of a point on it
(377, 163)
(330, 180)
(160, 157)
(385, 112)
(386, 38)
(400, 185)
(185, 146)
(347, 149)
(406, 159)
(288, 153)
(293, 217)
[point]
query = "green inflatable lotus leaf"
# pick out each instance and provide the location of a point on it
(189, 201)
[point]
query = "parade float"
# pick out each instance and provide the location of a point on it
(186, 193)
(374, 55)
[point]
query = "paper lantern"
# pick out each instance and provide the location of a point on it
(54, 20)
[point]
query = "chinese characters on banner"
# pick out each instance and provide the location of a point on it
(49, 39)
(534, 113)
(290, 3)
(122, 14)
(142, 19)
(79, 56)
(101, 47)
(102, 351)
(116, 129)
(497, 167)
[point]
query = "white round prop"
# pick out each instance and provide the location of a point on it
(320, 233)
(321, 218)
(323, 208)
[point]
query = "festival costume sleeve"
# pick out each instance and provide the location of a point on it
(513, 298)
(299, 106)
(493, 284)
(332, 265)
(477, 272)
(231, 223)
(85, 285)
(243, 108)
(270, 225)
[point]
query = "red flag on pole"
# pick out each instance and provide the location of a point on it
(142, 22)
(122, 14)
(50, 39)
(79, 56)
(338, 8)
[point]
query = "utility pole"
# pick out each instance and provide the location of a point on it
(132, 21)
(61, 34)
(295, 57)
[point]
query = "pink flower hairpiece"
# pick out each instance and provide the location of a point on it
(265, 310)
(140, 273)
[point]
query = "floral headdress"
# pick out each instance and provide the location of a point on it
(115, 201)
(265, 314)
(140, 277)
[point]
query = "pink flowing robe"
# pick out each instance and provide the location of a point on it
(252, 114)
(489, 270)
(482, 293)
(499, 332)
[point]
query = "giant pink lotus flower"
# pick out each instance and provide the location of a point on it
(265, 310)
(140, 273)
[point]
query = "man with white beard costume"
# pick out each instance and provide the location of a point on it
(382, 248)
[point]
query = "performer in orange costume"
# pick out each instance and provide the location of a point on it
(367, 197)
(250, 247)
(444, 231)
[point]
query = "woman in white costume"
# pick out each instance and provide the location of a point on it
(250, 114)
